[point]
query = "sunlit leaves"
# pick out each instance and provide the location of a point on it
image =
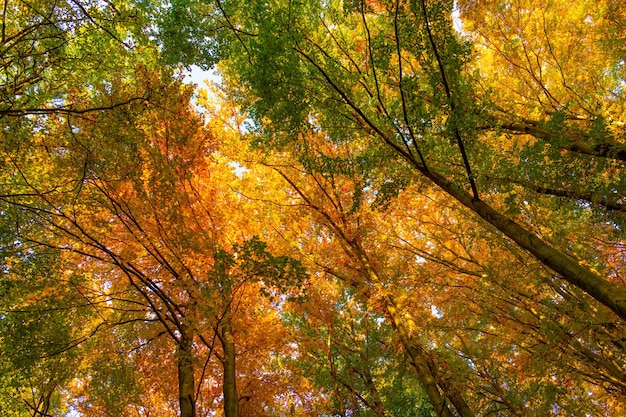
(345, 262)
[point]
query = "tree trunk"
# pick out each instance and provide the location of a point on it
(367, 277)
(333, 375)
(231, 398)
(426, 374)
(611, 295)
(579, 143)
(376, 404)
(186, 390)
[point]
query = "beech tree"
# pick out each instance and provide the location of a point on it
(143, 216)
(392, 84)
(393, 75)
(381, 207)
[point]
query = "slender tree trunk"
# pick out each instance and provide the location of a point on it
(376, 404)
(186, 390)
(369, 276)
(578, 143)
(231, 398)
(437, 392)
(424, 371)
(333, 375)
(612, 202)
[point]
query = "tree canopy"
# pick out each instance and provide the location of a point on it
(379, 208)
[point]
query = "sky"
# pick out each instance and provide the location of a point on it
(197, 76)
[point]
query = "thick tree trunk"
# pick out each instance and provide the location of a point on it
(231, 398)
(611, 295)
(186, 390)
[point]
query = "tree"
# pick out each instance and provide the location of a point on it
(131, 194)
(393, 76)
(565, 67)
(425, 217)
(349, 351)
(477, 320)
(87, 210)
(39, 321)
(53, 52)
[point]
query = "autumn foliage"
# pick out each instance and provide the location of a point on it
(378, 208)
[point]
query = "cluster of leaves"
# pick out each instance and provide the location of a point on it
(253, 262)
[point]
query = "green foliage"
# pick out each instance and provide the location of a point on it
(113, 385)
(250, 261)
(40, 322)
(599, 130)
(187, 31)
(56, 51)
(352, 358)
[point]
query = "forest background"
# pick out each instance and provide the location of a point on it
(379, 208)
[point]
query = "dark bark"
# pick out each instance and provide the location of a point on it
(231, 398)
(609, 201)
(186, 390)
(376, 403)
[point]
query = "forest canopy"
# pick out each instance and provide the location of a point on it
(377, 208)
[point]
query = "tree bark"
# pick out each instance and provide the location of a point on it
(186, 390)
(231, 398)
(611, 295)
(437, 392)
(606, 149)
(608, 201)
(426, 373)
